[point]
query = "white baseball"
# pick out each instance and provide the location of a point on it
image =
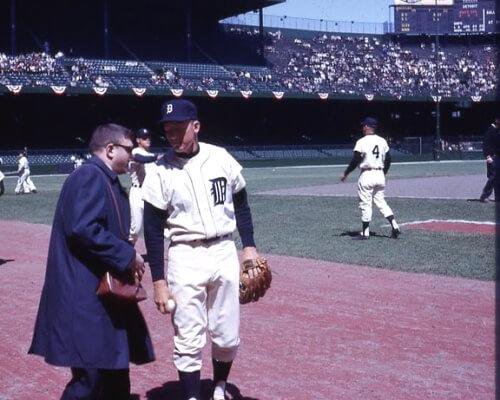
(170, 305)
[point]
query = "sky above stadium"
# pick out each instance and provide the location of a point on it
(335, 10)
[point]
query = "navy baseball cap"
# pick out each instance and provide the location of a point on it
(369, 121)
(178, 110)
(143, 133)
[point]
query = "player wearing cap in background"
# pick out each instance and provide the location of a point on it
(198, 193)
(24, 182)
(141, 161)
(2, 176)
(371, 154)
(491, 152)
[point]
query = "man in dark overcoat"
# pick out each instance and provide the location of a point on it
(491, 152)
(74, 327)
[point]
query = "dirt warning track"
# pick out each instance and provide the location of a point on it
(324, 331)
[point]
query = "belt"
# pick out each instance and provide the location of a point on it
(199, 242)
(136, 185)
(371, 169)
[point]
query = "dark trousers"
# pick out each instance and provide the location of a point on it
(98, 384)
(491, 174)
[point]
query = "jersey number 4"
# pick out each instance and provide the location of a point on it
(376, 151)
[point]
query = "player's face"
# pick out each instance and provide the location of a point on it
(119, 153)
(144, 143)
(182, 136)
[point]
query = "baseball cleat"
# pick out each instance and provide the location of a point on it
(361, 237)
(395, 233)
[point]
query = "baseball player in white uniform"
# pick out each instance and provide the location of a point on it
(372, 156)
(2, 176)
(24, 182)
(198, 193)
(142, 159)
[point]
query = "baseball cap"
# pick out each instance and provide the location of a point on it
(178, 110)
(370, 121)
(142, 133)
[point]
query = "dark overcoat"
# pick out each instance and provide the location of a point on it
(74, 327)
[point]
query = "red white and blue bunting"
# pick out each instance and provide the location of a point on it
(139, 91)
(323, 96)
(369, 96)
(278, 95)
(177, 92)
(476, 99)
(58, 89)
(246, 93)
(14, 88)
(213, 93)
(101, 91)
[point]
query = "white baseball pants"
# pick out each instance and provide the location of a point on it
(204, 279)
(24, 183)
(371, 185)
(136, 212)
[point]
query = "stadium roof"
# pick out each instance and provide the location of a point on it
(220, 8)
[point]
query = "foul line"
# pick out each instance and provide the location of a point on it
(394, 163)
(453, 221)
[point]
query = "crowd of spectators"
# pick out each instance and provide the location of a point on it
(371, 65)
(332, 63)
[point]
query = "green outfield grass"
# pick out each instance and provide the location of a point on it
(320, 227)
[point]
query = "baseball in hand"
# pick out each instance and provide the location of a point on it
(170, 305)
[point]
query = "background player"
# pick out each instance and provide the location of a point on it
(141, 160)
(24, 182)
(197, 192)
(491, 151)
(371, 154)
(2, 176)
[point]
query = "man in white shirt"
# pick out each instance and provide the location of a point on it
(2, 176)
(371, 155)
(24, 182)
(197, 191)
(142, 159)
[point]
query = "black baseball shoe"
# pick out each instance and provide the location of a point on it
(395, 233)
(361, 237)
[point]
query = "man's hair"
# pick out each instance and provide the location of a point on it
(106, 134)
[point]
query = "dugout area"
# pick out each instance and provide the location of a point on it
(48, 121)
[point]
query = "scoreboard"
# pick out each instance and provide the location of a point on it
(444, 16)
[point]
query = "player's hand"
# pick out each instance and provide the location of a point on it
(250, 253)
(489, 160)
(138, 267)
(162, 295)
(343, 178)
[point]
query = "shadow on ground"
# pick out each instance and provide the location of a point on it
(172, 391)
(356, 234)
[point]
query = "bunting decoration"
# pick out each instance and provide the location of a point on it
(278, 95)
(177, 92)
(139, 91)
(246, 93)
(14, 88)
(101, 91)
(58, 89)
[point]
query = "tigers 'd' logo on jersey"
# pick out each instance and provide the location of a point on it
(218, 190)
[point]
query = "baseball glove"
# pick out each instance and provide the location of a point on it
(255, 279)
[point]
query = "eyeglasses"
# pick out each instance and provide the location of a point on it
(128, 149)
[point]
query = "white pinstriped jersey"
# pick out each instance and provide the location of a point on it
(23, 164)
(196, 192)
(373, 149)
(138, 170)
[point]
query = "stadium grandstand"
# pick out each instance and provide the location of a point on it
(301, 87)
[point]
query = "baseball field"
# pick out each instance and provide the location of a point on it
(411, 318)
